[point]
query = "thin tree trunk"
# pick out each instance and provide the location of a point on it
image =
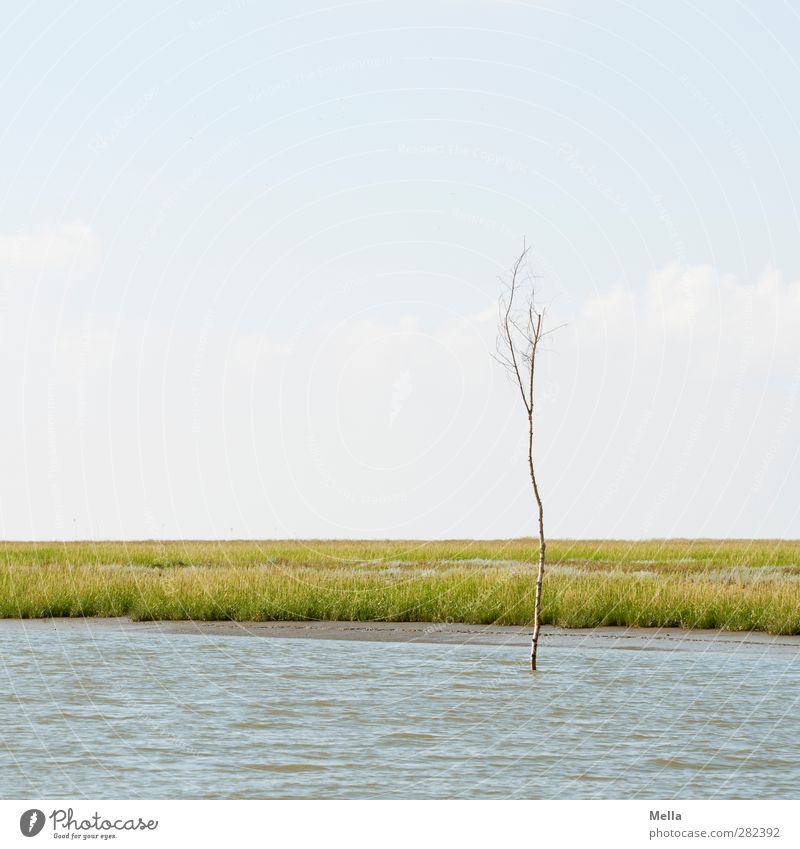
(518, 338)
(537, 614)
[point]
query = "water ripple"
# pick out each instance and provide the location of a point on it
(93, 711)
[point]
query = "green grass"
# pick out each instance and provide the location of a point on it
(736, 585)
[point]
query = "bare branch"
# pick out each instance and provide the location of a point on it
(520, 330)
(507, 322)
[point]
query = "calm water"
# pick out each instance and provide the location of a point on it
(97, 710)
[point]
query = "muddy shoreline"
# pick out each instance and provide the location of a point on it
(451, 633)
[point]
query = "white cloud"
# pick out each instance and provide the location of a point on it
(671, 410)
(713, 314)
(677, 408)
(69, 247)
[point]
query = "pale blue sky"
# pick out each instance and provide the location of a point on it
(249, 252)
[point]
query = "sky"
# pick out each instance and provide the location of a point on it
(250, 258)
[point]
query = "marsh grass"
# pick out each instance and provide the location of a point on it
(736, 585)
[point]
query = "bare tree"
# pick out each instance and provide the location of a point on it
(521, 329)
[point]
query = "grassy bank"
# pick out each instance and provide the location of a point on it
(737, 585)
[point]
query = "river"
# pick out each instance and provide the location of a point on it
(111, 709)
